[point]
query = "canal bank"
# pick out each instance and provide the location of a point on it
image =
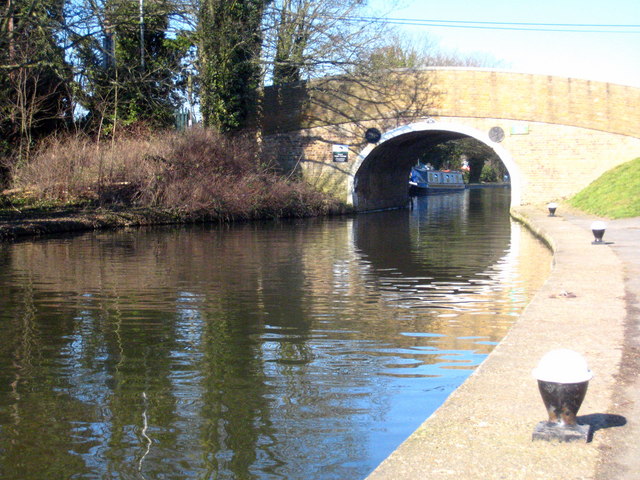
(483, 430)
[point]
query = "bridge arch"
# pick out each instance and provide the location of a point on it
(379, 179)
(560, 133)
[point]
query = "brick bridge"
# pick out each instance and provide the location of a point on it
(555, 135)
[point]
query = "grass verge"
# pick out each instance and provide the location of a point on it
(616, 194)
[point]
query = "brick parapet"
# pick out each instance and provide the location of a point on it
(451, 92)
(547, 99)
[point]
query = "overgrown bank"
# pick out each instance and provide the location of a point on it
(170, 177)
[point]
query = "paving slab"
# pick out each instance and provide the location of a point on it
(484, 429)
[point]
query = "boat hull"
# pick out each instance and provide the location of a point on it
(418, 190)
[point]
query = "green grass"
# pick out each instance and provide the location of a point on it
(15, 206)
(616, 194)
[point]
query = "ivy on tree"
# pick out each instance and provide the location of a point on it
(230, 42)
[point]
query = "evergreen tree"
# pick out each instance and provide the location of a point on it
(229, 60)
(130, 69)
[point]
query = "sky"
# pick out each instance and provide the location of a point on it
(601, 56)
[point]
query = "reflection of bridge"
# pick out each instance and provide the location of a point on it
(555, 135)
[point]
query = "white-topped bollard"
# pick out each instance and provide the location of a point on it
(598, 228)
(563, 377)
(552, 209)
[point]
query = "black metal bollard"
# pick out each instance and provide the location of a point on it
(563, 378)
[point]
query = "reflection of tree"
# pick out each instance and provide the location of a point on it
(137, 366)
(37, 417)
(101, 365)
(287, 313)
(238, 351)
(233, 407)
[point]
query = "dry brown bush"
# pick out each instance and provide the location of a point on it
(197, 173)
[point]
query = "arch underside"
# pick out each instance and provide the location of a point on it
(381, 173)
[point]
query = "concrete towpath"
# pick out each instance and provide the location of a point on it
(620, 456)
(589, 304)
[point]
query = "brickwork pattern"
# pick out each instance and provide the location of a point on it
(538, 98)
(562, 133)
(457, 92)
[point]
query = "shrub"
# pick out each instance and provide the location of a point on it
(197, 173)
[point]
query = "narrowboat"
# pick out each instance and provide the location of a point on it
(423, 181)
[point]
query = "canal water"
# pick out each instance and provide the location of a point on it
(304, 349)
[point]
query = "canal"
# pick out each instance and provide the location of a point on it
(303, 349)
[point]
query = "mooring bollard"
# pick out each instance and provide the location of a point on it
(563, 377)
(552, 209)
(598, 228)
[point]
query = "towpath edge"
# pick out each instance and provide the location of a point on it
(483, 430)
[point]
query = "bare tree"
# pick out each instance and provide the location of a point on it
(35, 96)
(309, 39)
(405, 51)
(378, 77)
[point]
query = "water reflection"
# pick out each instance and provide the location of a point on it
(304, 349)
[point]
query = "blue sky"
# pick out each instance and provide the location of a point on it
(612, 57)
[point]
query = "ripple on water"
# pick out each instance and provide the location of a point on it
(284, 350)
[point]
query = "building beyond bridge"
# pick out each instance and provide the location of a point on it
(555, 135)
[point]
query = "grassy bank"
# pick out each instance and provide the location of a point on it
(616, 194)
(77, 184)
